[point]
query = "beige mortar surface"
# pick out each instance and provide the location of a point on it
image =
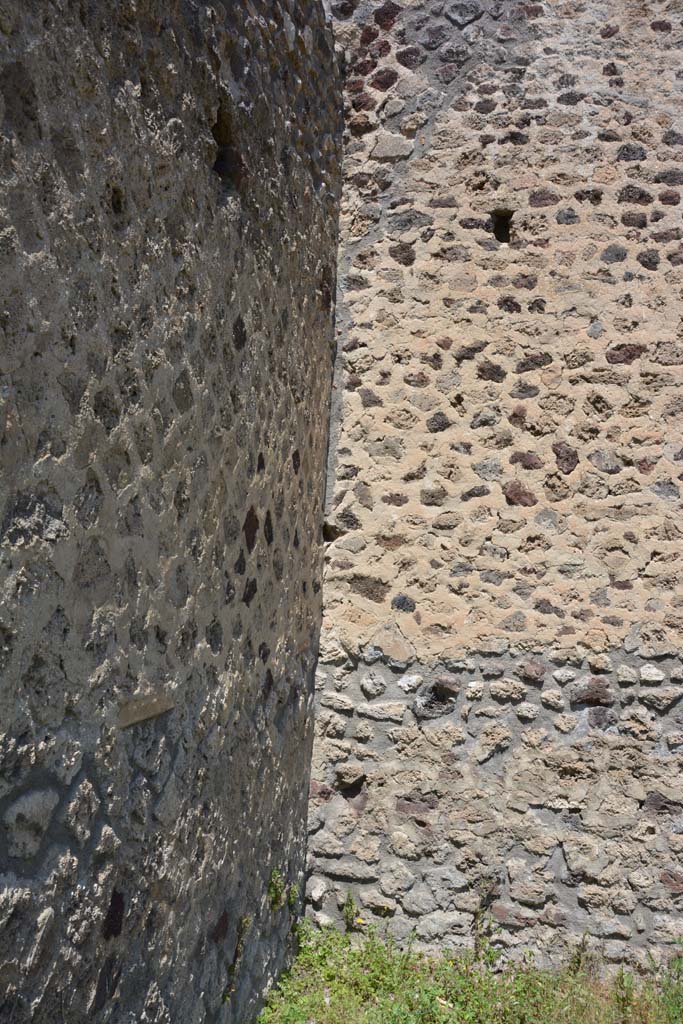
(516, 348)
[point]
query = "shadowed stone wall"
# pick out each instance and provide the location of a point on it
(168, 188)
(500, 723)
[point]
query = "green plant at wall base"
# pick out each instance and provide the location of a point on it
(277, 890)
(483, 932)
(351, 914)
(339, 979)
(581, 959)
(672, 987)
(482, 925)
(292, 897)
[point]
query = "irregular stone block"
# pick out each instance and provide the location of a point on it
(387, 711)
(27, 820)
(390, 147)
(506, 690)
(652, 675)
(663, 699)
(592, 691)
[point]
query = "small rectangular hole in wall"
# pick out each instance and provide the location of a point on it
(502, 222)
(228, 165)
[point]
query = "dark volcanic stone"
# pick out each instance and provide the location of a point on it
(527, 460)
(614, 253)
(593, 692)
(251, 525)
(634, 219)
(438, 422)
(410, 57)
(403, 253)
(533, 362)
(480, 491)
(543, 197)
(369, 587)
(635, 194)
(384, 79)
(239, 334)
(626, 352)
(517, 494)
(386, 15)
(463, 13)
(589, 195)
(567, 216)
(674, 176)
(435, 702)
(487, 370)
(567, 457)
(649, 259)
(532, 670)
(631, 151)
(509, 304)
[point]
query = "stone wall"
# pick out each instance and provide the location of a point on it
(500, 723)
(168, 194)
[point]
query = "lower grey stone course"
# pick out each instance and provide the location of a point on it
(532, 797)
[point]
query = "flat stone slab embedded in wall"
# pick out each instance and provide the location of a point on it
(169, 178)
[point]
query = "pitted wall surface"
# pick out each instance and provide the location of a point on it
(168, 194)
(500, 724)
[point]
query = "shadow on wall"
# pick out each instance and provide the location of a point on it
(167, 287)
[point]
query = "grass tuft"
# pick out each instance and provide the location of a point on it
(339, 979)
